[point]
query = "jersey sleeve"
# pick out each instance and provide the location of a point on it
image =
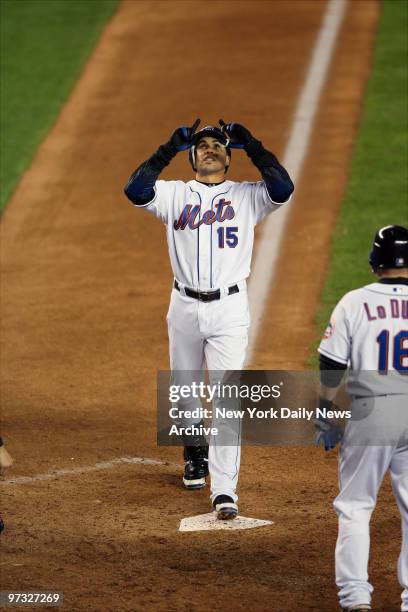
(164, 193)
(336, 341)
(261, 202)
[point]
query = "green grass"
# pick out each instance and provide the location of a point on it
(376, 194)
(44, 45)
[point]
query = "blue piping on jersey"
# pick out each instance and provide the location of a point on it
(198, 238)
(211, 232)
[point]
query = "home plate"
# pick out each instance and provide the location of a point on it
(208, 522)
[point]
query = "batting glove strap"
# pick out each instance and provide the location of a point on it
(239, 136)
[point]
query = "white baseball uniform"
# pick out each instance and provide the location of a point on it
(368, 331)
(210, 234)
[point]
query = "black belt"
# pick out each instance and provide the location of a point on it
(206, 296)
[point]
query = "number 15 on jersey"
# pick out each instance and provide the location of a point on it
(227, 236)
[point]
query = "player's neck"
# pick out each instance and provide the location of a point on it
(210, 184)
(393, 273)
(213, 179)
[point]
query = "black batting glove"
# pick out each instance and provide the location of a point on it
(239, 136)
(181, 138)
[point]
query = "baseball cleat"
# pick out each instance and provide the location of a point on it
(225, 508)
(196, 467)
(359, 608)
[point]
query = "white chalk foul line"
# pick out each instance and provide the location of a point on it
(75, 471)
(274, 226)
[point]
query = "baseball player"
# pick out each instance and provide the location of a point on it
(210, 224)
(368, 334)
(6, 461)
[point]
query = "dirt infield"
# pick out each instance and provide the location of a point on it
(86, 282)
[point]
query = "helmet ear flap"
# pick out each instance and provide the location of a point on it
(191, 157)
(372, 260)
(229, 155)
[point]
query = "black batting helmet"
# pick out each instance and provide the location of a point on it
(213, 132)
(390, 248)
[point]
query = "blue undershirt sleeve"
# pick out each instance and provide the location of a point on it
(277, 180)
(140, 187)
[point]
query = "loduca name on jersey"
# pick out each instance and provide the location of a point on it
(394, 309)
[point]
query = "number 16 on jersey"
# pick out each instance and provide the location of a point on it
(399, 347)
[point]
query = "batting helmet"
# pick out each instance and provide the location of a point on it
(390, 248)
(213, 132)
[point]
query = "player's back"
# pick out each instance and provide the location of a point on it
(369, 331)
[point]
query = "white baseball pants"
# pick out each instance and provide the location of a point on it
(361, 471)
(216, 334)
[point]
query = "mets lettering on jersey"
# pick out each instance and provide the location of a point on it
(191, 215)
(210, 230)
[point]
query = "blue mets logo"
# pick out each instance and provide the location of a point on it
(190, 215)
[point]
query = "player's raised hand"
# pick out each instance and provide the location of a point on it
(238, 134)
(327, 433)
(181, 138)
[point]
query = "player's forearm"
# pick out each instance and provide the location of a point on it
(140, 187)
(327, 393)
(276, 178)
(331, 374)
